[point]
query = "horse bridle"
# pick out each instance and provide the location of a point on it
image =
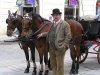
(13, 19)
(30, 21)
(44, 24)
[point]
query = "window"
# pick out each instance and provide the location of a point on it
(70, 10)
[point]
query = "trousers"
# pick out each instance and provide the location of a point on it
(57, 61)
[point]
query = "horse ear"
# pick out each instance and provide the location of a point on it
(9, 12)
(15, 13)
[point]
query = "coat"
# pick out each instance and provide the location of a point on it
(62, 35)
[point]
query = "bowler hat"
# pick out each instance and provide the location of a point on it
(56, 11)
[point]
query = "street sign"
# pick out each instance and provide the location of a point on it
(72, 2)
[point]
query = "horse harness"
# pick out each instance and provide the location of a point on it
(72, 41)
(13, 18)
(43, 26)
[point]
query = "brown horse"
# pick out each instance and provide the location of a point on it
(38, 25)
(76, 33)
(15, 22)
(27, 26)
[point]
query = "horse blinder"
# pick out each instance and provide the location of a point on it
(30, 23)
(7, 21)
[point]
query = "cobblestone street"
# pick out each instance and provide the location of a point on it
(12, 62)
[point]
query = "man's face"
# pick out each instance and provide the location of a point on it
(56, 17)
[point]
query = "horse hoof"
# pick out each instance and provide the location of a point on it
(75, 72)
(46, 72)
(71, 72)
(40, 73)
(34, 72)
(26, 70)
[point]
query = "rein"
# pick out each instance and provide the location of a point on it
(44, 24)
(72, 41)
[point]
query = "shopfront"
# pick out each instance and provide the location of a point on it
(28, 6)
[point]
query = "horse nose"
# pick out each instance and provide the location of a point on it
(25, 38)
(9, 33)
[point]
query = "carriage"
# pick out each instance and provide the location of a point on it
(84, 35)
(90, 36)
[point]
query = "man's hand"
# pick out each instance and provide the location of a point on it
(39, 35)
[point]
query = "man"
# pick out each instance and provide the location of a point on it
(58, 38)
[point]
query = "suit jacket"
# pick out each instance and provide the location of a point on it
(62, 35)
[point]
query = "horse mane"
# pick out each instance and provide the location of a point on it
(37, 15)
(18, 23)
(20, 16)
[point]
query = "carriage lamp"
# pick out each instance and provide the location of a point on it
(19, 3)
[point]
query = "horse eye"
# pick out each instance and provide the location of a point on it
(30, 23)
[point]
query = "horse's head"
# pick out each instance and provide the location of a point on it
(11, 23)
(37, 21)
(26, 27)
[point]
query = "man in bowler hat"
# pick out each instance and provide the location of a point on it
(58, 38)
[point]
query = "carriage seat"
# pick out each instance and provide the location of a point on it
(91, 29)
(90, 18)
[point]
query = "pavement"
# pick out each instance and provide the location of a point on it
(12, 61)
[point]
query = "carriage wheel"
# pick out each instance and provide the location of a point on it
(98, 55)
(83, 56)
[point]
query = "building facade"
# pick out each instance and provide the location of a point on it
(44, 8)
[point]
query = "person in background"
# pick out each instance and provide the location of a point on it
(58, 38)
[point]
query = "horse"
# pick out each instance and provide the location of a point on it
(39, 43)
(38, 25)
(15, 22)
(75, 44)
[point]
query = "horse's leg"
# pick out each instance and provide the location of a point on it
(73, 56)
(46, 63)
(32, 48)
(41, 64)
(39, 46)
(27, 58)
(77, 60)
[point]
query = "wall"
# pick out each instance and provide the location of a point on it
(6, 5)
(87, 7)
(46, 7)
(45, 10)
